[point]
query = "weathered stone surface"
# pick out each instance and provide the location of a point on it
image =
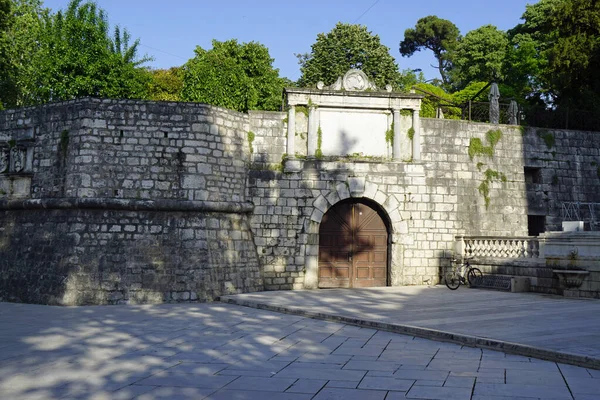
(98, 178)
(98, 210)
(86, 256)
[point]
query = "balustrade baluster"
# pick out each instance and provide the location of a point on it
(513, 249)
(502, 247)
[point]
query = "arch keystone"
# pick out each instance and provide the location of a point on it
(356, 186)
(342, 190)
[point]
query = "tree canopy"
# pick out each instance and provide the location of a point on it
(574, 58)
(19, 46)
(165, 84)
(79, 57)
(5, 22)
(479, 56)
(66, 55)
(438, 35)
(551, 58)
(233, 75)
(348, 46)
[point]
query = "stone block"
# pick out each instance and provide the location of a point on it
(321, 204)
(343, 191)
(193, 182)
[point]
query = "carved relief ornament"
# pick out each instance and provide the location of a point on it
(354, 81)
(17, 159)
(3, 160)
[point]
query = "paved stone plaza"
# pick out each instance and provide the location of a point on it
(223, 351)
(526, 323)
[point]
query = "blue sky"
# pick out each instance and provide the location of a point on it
(170, 30)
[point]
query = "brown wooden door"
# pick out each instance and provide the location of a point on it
(352, 247)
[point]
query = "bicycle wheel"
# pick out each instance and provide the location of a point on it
(474, 276)
(452, 280)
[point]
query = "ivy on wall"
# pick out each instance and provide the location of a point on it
(251, 137)
(389, 136)
(477, 148)
(318, 152)
(547, 137)
(484, 188)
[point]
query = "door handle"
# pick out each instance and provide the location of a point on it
(349, 256)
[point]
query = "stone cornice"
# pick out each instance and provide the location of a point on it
(127, 205)
(379, 100)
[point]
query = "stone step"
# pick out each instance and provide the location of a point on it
(502, 282)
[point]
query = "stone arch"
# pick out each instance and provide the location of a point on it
(354, 187)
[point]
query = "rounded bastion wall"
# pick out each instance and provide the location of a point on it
(125, 201)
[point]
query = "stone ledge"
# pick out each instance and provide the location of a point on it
(128, 204)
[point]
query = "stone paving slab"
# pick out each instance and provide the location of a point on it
(221, 351)
(549, 327)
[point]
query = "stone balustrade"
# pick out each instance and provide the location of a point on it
(498, 247)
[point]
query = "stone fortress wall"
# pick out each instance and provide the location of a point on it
(124, 201)
(112, 201)
(429, 202)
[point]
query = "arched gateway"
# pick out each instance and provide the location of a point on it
(353, 246)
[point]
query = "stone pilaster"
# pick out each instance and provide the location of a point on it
(416, 144)
(291, 131)
(396, 147)
(313, 126)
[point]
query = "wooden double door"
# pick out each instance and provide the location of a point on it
(353, 247)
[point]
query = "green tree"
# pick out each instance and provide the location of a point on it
(348, 46)
(78, 57)
(166, 84)
(438, 35)
(479, 56)
(5, 22)
(527, 58)
(574, 56)
(19, 46)
(66, 55)
(233, 75)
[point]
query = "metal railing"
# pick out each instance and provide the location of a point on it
(480, 112)
(577, 211)
(561, 118)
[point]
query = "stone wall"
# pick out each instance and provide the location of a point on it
(428, 202)
(130, 201)
(268, 145)
(81, 255)
(450, 169)
(567, 164)
(126, 201)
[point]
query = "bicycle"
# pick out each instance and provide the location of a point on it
(456, 276)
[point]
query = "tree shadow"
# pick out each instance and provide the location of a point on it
(150, 205)
(163, 351)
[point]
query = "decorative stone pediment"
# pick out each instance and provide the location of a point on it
(354, 81)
